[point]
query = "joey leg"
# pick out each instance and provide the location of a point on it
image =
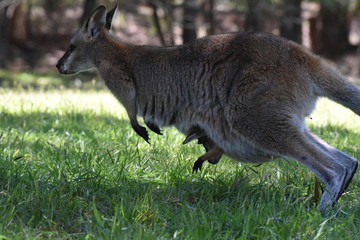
(213, 156)
(215, 159)
(208, 145)
(213, 153)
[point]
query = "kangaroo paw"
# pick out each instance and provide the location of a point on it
(141, 131)
(190, 137)
(153, 127)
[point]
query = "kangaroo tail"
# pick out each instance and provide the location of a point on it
(332, 84)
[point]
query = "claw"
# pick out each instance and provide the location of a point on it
(198, 164)
(153, 127)
(195, 133)
(190, 137)
(141, 131)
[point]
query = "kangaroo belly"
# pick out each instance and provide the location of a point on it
(244, 151)
(236, 147)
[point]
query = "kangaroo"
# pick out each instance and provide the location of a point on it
(249, 93)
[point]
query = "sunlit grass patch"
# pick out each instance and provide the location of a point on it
(331, 113)
(28, 79)
(48, 81)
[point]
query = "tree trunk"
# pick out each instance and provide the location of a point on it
(156, 20)
(209, 16)
(334, 27)
(18, 27)
(314, 33)
(88, 8)
(12, 29)
(254, 18)
(169, 18)
(189, 28)
(290, 21)
(4, 37)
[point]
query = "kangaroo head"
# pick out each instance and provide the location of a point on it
(79, 55)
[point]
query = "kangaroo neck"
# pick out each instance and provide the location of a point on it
(139, 62)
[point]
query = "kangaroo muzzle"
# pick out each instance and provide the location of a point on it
(62, 68)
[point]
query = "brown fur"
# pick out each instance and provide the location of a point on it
(248, 93)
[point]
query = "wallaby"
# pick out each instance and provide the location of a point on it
(249, 93)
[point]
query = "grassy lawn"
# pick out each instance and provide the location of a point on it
(72, 167)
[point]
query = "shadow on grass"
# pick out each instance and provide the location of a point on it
(71, 122)
(68, 189)
(75, 206)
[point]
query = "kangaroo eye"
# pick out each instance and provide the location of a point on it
(71, 47)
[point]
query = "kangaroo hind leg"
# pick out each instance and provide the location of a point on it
(349, 163)
(332, 166)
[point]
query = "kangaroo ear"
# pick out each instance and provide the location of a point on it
(109, 17)
(95, 23)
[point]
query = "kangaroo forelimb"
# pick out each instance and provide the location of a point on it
(140, 130)
(153, 127)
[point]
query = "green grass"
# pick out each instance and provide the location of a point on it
(46, 81)
(72, 167)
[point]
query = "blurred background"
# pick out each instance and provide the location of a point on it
(35, 33)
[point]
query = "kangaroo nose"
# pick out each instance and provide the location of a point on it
(60, 67)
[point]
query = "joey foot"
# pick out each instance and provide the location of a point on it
(212, 156)
(213, 153)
